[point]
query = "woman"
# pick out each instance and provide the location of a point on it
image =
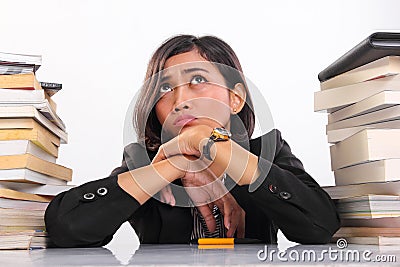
(194, 87)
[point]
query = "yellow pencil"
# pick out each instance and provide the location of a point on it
(216, 241)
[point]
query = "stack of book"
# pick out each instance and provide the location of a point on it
(361, 94)
(30, 136)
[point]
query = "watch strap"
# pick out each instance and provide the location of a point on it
(207, 149)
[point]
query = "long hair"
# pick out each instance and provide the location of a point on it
(213, 49)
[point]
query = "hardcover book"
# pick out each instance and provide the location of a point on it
(375, 46)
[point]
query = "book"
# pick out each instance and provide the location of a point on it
(7, 68)
(35, 164)
(31, 112)
(367, 231)
(21, 76)
(39, 137)
(29, 239)
(373, 103)
(340, 97)
(372, 240)
(375, 46)
(13, 194)
(375, 171)
(22, 217)
(387, 114)
(15, 123)
(366, 145)
(353, 190)
(22, 204)
(369, 206)
(376, 222)
(51, 88)
(20, 81)
(26, 176)
(21, 58)
(38, 189)
(18, 147)
(338, 135)
(36, 98)
(380, 68)
(19, 228)
(51, 102)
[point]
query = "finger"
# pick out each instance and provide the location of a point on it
(160, 155)
(233, 221)
(171, 196)
(169, 149)
(232, 214)
(163, 195)
(208, 217)
(225, 211)
(241, 227)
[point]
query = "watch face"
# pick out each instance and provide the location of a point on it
(222, 131)
(220, 134)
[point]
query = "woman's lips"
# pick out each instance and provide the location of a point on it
(183, 119)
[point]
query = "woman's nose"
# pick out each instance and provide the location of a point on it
(182, 97)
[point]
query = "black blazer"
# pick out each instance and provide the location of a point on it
(287, 198)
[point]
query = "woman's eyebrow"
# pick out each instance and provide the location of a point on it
(167, 77)
(164, 78)
(195, 69)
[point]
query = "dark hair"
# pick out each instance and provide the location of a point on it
(213, 49)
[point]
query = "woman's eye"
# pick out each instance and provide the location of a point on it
(165, 88)
(198, 79)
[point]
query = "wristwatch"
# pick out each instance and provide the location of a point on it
(217, 135)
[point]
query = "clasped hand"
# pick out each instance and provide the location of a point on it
(203, 187)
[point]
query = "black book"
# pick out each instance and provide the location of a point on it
(16, 68)
(375, 46)
(51, 88)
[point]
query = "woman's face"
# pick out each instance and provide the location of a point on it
(192, 92)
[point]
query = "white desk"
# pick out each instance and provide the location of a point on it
(183, 255)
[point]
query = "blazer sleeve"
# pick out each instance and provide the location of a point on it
(292, 198)
(89, 215)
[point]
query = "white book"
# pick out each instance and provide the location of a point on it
(22, 221)
(21, 58)
(376, 222)
(18, 147)
(7, 203)
(366, 145)
(338, 135)
(336, 98)
(374, 240)
(353, 190)
(36, 98)
(38, 189)
(387, 114)
(369, 206)
(30, 111)
(367, 231)
(28, 239)
(373, 103)
(21, 96)
(385, 66)
(375, 171)
(26, 175)
(21, 213)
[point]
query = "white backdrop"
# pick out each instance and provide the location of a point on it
(99, 51)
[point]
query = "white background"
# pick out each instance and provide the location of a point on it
(99, 51)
